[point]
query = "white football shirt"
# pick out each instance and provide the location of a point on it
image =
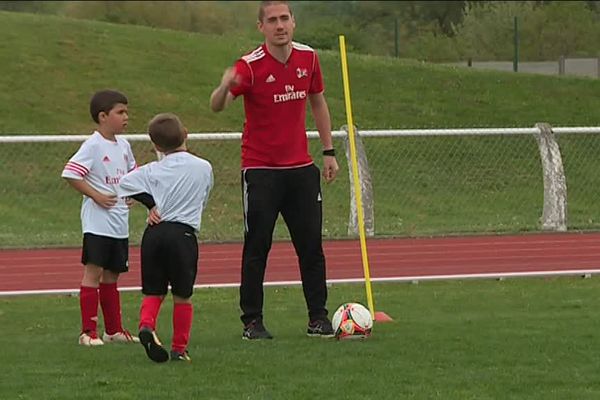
(102, 163)
(180, 184)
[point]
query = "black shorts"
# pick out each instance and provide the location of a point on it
(169, 256)
(106, 252)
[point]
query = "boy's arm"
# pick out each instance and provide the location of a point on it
(208, 188)
(147, 200)
(103, 200)
(134, 185)
(144, 198)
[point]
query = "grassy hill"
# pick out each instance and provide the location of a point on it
(52, 65)
(423, 186)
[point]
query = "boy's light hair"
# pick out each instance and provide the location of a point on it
(265, 4)
(166, 131)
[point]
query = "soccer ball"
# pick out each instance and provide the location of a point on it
(352, 321)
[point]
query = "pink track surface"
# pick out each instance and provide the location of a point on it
(58, 269)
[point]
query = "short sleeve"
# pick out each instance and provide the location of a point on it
(245, 72)
(316, 83)
(135, 182)
(131, 164)
(211, 182)
(80, 163)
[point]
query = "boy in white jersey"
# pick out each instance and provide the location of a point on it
(94, 171)
(175, 190)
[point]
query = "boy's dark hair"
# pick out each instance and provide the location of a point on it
(265, 4)
(166, 131)
(104, 101)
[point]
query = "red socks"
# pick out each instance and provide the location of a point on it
(110, 302)
(182, 325)
(182, 320)
(149, 311)
(88, 303)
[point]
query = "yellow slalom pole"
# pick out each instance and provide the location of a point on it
(357, 191)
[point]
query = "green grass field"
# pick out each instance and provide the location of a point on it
(455, 340)
(529, 339)
(423, 186)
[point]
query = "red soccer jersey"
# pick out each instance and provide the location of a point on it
(275, 104)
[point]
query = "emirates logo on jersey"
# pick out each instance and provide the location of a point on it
(290, 94)
(114, 180)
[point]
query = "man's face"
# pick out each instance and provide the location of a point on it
(277, 25)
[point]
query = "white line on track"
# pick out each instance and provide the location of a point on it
(499, 275)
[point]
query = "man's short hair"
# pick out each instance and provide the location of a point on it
(265, 4)
(166, 131)
(104, 101)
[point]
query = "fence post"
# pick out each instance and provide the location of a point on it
(554, 214)
(561, 65)
(366, 187)
(396, 38)
(516, 44)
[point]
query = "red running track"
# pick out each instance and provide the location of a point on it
(389, 259)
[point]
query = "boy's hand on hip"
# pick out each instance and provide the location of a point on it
(105, 200)
(153, 217)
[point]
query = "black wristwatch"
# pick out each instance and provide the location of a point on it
(329, 152)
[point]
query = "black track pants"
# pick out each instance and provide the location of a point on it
(296, 194)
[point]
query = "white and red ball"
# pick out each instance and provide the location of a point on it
(352, 321)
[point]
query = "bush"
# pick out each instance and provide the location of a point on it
(432, 47)
(545, 32)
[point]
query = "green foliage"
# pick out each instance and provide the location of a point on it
(546, 32)
(323, 35)
(487, 28)
(432, 47)
(369, 25)
(569, 28)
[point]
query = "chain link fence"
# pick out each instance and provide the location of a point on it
(423, 182)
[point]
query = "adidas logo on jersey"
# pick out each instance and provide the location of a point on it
(106, 159)
(270, 79)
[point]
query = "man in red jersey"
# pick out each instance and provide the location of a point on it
(278, 174)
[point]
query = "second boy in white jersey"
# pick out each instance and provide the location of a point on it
(175, 189)
(94, 171)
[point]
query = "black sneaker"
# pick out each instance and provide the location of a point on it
(256, 330)
(152, 345)
(177, 356)
(320, 328)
